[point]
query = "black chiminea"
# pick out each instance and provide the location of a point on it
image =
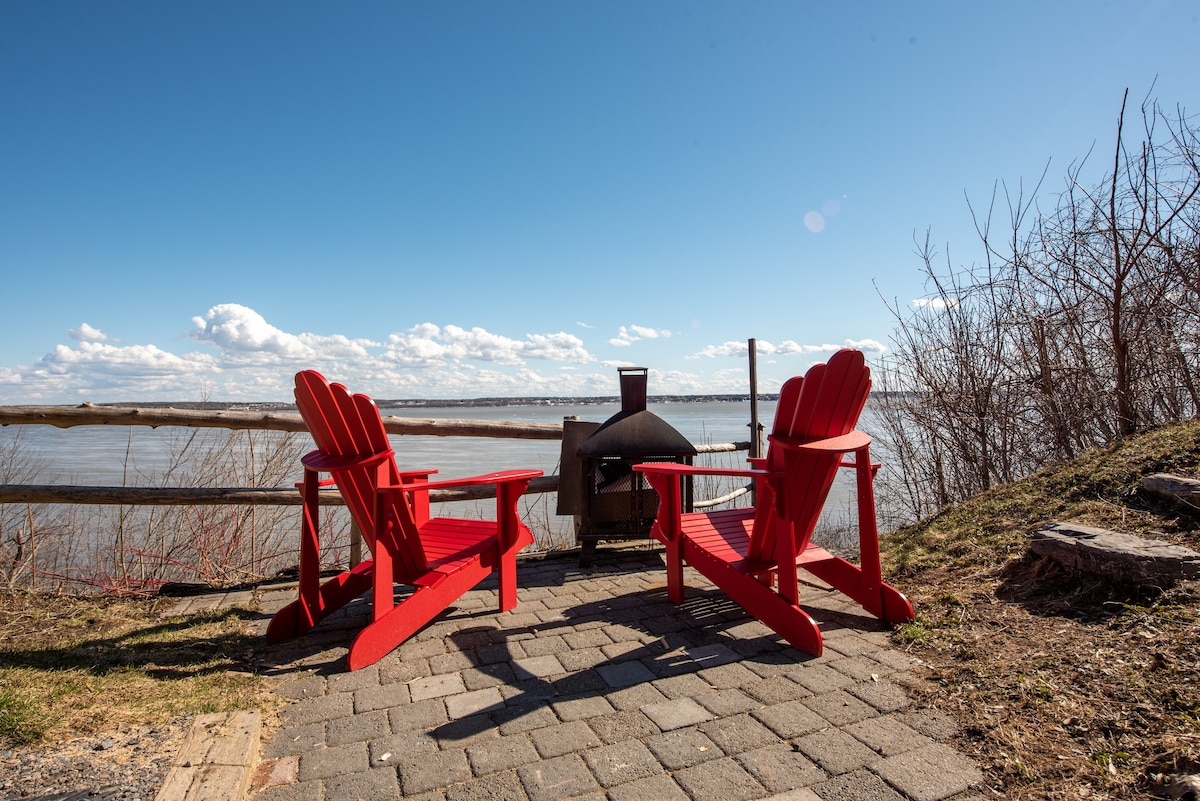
(612, 501)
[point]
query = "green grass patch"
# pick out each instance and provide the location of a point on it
(74, 667)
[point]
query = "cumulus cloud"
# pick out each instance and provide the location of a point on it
(868, 345)
(428, 345)
(140, 359)
(85, 333)
(785, 348)
(937, 304)
(237, 330)
(105, 371)
(248, 358)
(244, 336)
(630, 334)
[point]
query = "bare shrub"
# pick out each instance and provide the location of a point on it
(1079, 326)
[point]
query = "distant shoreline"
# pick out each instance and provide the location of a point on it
(443, 403)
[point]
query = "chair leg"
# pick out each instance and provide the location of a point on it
(397, 624)
(299, 617)
(787, 620)
(506, 579)
(881, 600)
(674, 558)
(509, 540)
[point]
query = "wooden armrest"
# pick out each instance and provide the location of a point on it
(416, 473)
(672, 468)
(500, 477)
(315, 460)
(846, 442)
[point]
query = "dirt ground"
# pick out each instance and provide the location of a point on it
(1065, 686)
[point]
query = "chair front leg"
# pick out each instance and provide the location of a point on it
(667, 529)
(310, 550)
(383, 591)
(508, 531)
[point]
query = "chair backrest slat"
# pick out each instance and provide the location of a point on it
(342, 424)
(826, 402)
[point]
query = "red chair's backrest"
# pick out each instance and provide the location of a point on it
(825, 402)
(342, 424)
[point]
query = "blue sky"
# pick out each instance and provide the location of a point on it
(468, 199)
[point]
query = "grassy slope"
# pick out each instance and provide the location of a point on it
(1065, 685)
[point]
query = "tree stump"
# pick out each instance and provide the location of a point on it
(1122, 557)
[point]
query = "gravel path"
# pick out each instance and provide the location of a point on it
(127, 765)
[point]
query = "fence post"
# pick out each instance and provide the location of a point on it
(355, 544)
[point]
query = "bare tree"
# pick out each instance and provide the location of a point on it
(1080, 325)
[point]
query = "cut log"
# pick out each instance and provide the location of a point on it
(1182, 490)
(1122, 557)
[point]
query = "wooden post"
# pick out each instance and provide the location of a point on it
(355, 544)
(755, 427)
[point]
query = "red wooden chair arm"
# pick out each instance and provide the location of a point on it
(853, 441)
(409, 475)
(673, 469)
(502, 477)
(315, 460)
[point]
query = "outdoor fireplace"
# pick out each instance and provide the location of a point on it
(598, 484)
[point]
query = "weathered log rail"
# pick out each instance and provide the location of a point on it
(88, 415)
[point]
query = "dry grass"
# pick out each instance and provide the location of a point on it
(73, 667)
(1066, 686)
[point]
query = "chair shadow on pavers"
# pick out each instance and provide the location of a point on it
(598, 683)
(709, 617)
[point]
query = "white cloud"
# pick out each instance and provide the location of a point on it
(240, 356)
(785, 348)
(251, 359)
(630, 334)
(937, 304)
(105, 372)
(866, 345)
(557, 347)
(428, 345)
(85, 333)
(243, 336)
(725, 349)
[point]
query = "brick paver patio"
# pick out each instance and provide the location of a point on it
(596, 687)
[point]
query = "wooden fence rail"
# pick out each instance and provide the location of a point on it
(88, 415)
(218, 496)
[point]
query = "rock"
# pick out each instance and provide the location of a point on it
(1183, 491)
(1123, 557)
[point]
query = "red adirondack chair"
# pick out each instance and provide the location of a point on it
(753, 554)
(441, 557)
